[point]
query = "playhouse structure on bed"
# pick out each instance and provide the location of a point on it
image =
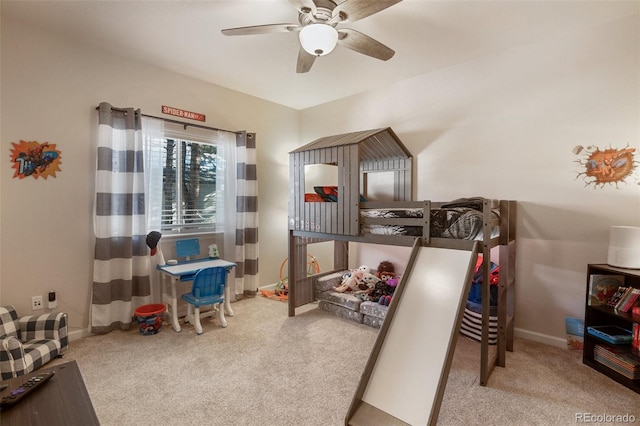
(340, 213)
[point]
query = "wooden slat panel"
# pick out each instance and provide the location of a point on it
(298, 195)
(341, 255)
(308, 207)
(390, 221)
(304, 291)
(486, 364)
(426, 227)
(506, 293)
(408, 178)
(330, 214)
(334, 155)
(301, 204)
(398, 185)
(291, 272)
(364, 185)
(354, 191)
(296, 199)
(342, 165)
(346, 188)
(294, 190)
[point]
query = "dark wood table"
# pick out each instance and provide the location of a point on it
(62, 400)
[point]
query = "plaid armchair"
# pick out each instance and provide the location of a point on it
(29, 342)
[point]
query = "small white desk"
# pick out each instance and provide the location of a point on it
(182, 272)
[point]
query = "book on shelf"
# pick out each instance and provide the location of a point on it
(620, 356)
(635, 340)
(631, 300)
(613, 300)
(602, 287)
(619, 360)
(624, 298)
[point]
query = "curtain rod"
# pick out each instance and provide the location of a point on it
(168, 120)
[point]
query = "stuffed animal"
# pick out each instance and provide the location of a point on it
(367, 285)
(353, 280)
(393, 282)
(385, 270)
(383, 290)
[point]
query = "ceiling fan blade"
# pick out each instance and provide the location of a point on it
(352, 10)
(364, 44)
(303, 5)
(305, 61)
(261, 29)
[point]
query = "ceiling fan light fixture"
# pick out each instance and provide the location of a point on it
(318, 39)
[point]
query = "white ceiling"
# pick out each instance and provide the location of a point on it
(185, 37)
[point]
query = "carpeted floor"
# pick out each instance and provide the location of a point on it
(266, 368)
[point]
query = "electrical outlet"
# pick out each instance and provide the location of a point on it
(36, 303)
(52, 302)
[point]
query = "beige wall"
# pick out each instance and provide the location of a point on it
(50, 88)
(504, 126)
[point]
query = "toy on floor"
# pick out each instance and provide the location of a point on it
(358, 281)
(384, 289)
(281, 292)
(369, 282)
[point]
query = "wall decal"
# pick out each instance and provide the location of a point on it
(610, 166)
(183, 113)
(31, 158)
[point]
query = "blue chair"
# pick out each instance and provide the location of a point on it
(208, 289)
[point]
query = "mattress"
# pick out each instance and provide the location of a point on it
(460, 219)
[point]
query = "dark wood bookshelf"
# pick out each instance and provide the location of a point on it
(606, 315)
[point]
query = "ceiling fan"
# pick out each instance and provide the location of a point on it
(317, 21)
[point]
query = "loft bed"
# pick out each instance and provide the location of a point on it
(343, 215)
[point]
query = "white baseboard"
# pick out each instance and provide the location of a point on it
(541, 338)
(519, 332)
(78, 334)
(269, 287)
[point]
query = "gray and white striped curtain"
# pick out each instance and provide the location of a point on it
(247, 279)
(121, 262)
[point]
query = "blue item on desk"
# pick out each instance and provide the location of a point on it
(188, 248)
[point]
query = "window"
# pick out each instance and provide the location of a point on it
(189, 178)
(188, 186)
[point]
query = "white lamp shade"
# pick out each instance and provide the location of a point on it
(624, 247)
(318, 39)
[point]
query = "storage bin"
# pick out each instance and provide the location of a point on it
(150, 318)
(574, 328)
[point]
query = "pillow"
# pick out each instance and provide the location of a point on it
(328, 193)
(313, 197)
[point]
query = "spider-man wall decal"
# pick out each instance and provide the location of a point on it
(610, 166)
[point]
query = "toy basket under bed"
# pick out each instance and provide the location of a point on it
(471, 326)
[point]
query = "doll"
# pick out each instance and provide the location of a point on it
(386, 286)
